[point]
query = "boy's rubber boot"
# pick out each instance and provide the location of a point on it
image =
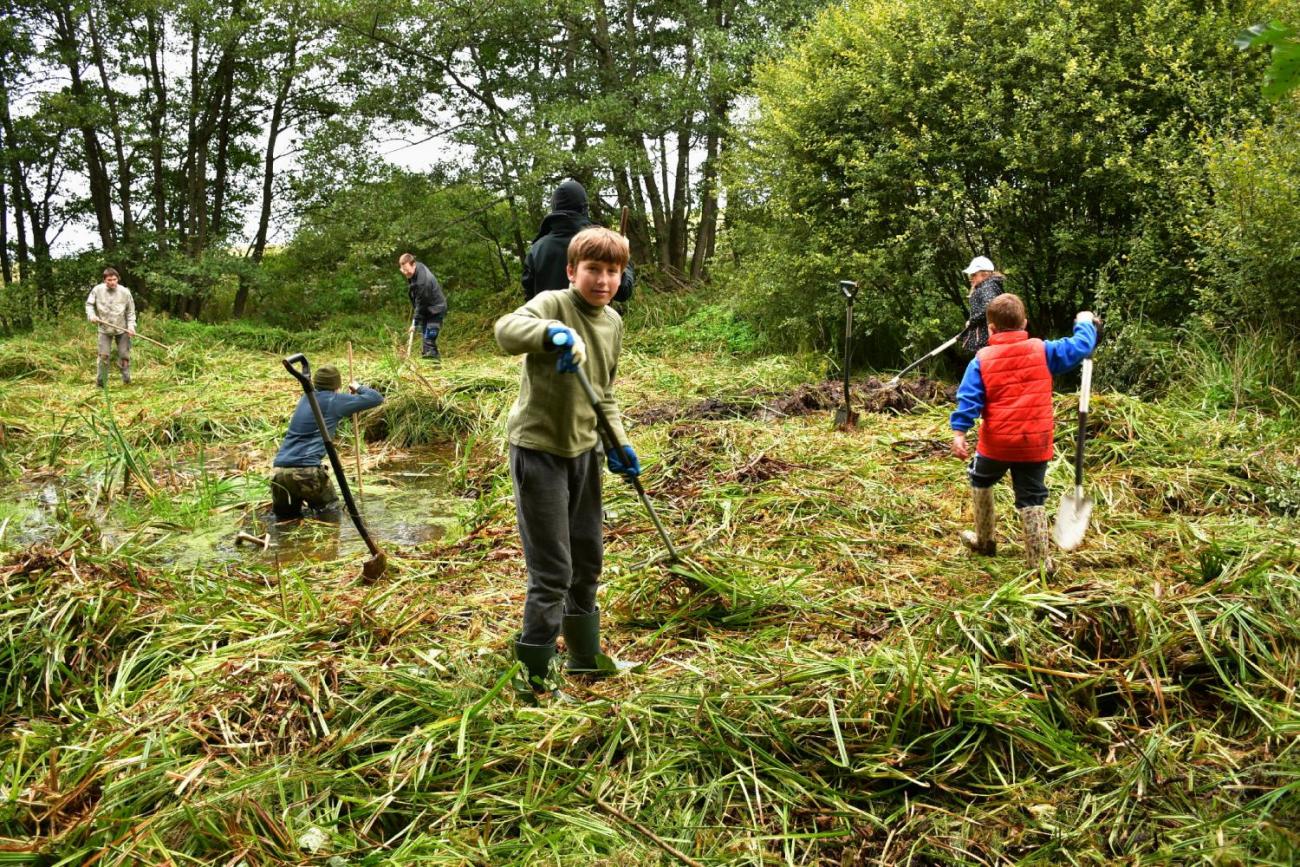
(537, 666)
(582, 637)
(126, 373)
(101, 374)
(1037, 540)
(981, 541)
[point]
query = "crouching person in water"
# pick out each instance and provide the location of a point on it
(1009, 384)
(298, 477)
(555, 452)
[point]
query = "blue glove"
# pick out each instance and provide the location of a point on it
(572, 349)
(622, 461)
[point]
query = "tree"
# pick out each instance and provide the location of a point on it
(898, 139)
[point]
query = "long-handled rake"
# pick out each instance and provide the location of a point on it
(612, 442)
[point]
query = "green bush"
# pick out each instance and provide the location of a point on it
(1248, 229)
(898, 138)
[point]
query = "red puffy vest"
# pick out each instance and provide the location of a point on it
(1017, 399)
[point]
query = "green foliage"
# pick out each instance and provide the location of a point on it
(896, 139)
(1135, 357)
(343, 258)
(1247, 230)
(1283, 74)
(714, 328)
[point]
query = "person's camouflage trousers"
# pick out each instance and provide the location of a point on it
(292, 487)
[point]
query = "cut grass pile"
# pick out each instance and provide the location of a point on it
(829, 678)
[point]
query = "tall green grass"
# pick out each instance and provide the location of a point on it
(827, 677)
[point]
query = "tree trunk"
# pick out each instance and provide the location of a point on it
(6, 267)
(680, 207)
(123, 165)
(268, 169)
(97, 174)
(157, 88)
(226, 82)
(706, 236)
(16, 184)
(647, 172)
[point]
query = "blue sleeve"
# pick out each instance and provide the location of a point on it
(970, 398)
(365, 398)
(1067, 353)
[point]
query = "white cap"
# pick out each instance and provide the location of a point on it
(979, 263)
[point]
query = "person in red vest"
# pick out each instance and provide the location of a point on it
(1009, 384)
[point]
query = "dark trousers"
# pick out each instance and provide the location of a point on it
(557, 502)
(1026, 478)
(429, 328)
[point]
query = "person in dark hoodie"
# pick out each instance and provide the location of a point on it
(428, 304)
(544, 266)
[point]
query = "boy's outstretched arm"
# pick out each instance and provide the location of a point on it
(1068, 352)
(524, 330)
(970, 403)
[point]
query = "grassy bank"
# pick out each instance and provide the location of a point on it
(828, 678)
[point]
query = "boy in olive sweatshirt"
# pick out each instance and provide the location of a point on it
(555, 451)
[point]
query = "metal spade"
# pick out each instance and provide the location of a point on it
(1076, 506)
(845, 417)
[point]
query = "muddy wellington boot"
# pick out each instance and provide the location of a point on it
(537, 665)
(981, 541)
(101, 374)
(582, 637)
(126, 373)
(1037, 541)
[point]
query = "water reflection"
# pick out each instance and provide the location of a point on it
(405, 503)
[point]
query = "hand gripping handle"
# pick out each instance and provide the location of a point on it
(299, 368)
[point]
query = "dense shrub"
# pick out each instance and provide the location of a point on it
(1247, 230)
(897, 139)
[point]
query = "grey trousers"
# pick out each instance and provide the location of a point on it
(557, 502)
(106, 343)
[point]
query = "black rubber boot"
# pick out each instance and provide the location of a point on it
(101, 375)
(582, 637)
(126, 373)
(537, 664)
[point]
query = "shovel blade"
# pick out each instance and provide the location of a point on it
(1072, 520)
(374, 568)
(845, 418)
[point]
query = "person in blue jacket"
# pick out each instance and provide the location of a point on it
(297, 477)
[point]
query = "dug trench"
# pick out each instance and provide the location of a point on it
(870, 395)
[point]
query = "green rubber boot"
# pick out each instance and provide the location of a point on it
(582, 637)
(537, 664)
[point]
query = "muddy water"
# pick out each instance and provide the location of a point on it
(404, 502)
(28, 513)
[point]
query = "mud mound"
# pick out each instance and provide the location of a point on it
(871, 395)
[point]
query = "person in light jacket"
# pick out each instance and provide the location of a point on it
(110, 306)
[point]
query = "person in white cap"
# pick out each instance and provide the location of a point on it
(985, 285)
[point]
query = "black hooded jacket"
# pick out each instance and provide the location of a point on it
(544, 266)
(427, 300)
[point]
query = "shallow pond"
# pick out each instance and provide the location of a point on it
(404, 502)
